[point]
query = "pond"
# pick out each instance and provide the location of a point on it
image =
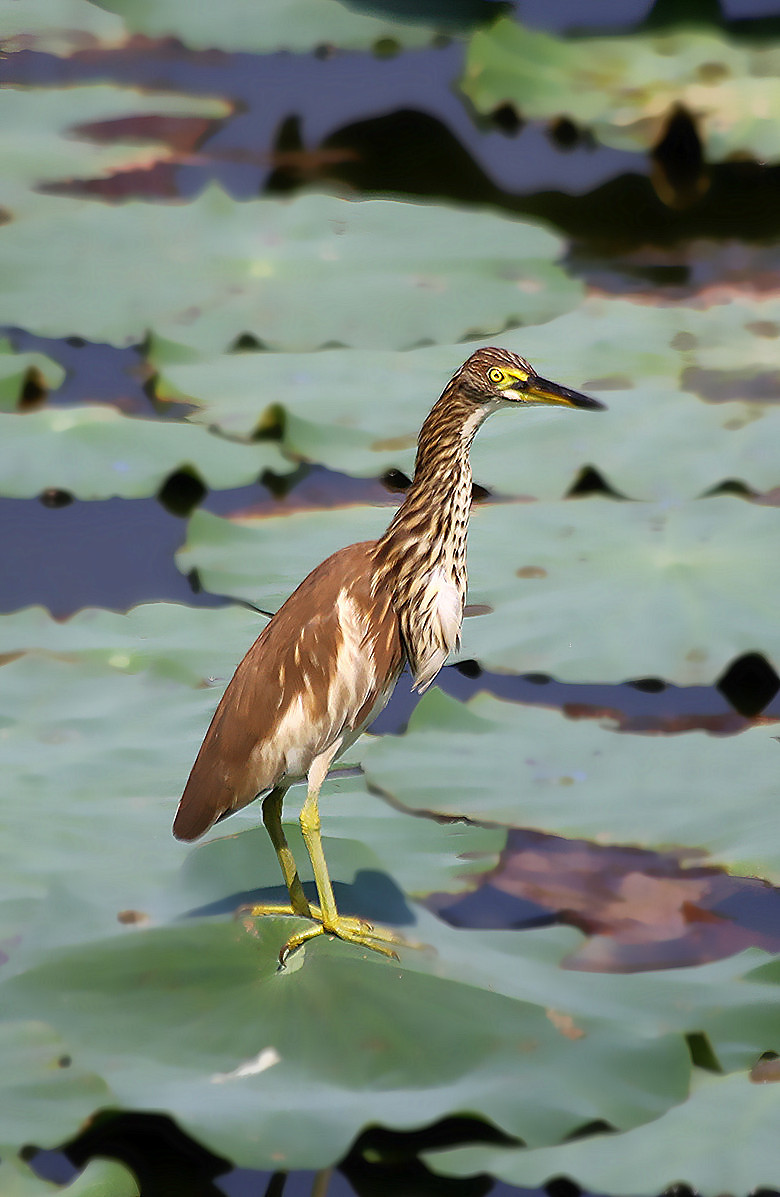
(243, 249)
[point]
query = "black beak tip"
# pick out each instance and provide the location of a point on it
(589, 404)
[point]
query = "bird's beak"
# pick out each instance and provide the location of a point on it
(539, 390)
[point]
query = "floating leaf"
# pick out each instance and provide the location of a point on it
(296, 273)
(95, 452)
(196, 1020)
(294, 24)
(624, 88)
(188, 644)
(104, 1178)
(58, 26)
(684, 1147)
(14, 368)
(45, 1091)
(360, 411)
(521, 766)
(38, 143)
(588, 590)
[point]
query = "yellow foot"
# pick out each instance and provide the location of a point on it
(351, 930)
(273, 908)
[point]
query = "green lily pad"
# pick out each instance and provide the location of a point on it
(188, 644)
(94, 452)
(360, 411)
(524, 766)
(191, 1017)
(685, 1146)
(296, 273)
(294, 24)
(624, 88)
(103, 758)
(588, 590)
(14, 368)
(104, 1178)
(46, 1092)
(196, 1020)
(58, 26)
(38, 144)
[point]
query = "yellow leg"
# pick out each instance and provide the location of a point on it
(330, 922)
(272, 817)
(299, 904)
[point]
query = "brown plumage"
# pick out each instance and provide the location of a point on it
(327, 662)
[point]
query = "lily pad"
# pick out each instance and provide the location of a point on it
(523, 766)
(196, 1020)
(58, 26)
(298, 25)
(297, 274)
(685, 1146)
(187, 644)
(94, 452)
(102, 758)
(38, 143)
(624, 88)
(14, 368)
(588, 590)
(45, 1091)
(191, 1016)
(360, 411)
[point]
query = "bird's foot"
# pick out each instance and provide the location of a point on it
(351, 930)
(273, 908)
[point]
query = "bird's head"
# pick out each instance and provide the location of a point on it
(495, 377)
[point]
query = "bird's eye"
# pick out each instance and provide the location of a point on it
(496, 375)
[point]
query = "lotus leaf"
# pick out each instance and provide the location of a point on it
(190, 1016)
(361, 410)
(44, 1090)
(188, 644)
(625, 88)
(104, 1178)
(13, 371)
(196, 1020)
(293, 24)
(295, 273)
(723, 1140)
(529, 767)
(101, 759)
(94, 453)
(58, 26)
(38, 145)
(588, 590)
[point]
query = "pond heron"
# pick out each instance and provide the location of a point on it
(328, 660)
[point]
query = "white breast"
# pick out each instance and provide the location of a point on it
(441, 613)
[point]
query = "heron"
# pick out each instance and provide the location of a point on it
(327, 662)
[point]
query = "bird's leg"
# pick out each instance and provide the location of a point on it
(272, 817)
(353, 930)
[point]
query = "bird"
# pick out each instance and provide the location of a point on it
(328, 660)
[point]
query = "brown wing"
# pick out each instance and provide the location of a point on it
(317, 668)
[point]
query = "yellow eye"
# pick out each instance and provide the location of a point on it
(496, 375)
